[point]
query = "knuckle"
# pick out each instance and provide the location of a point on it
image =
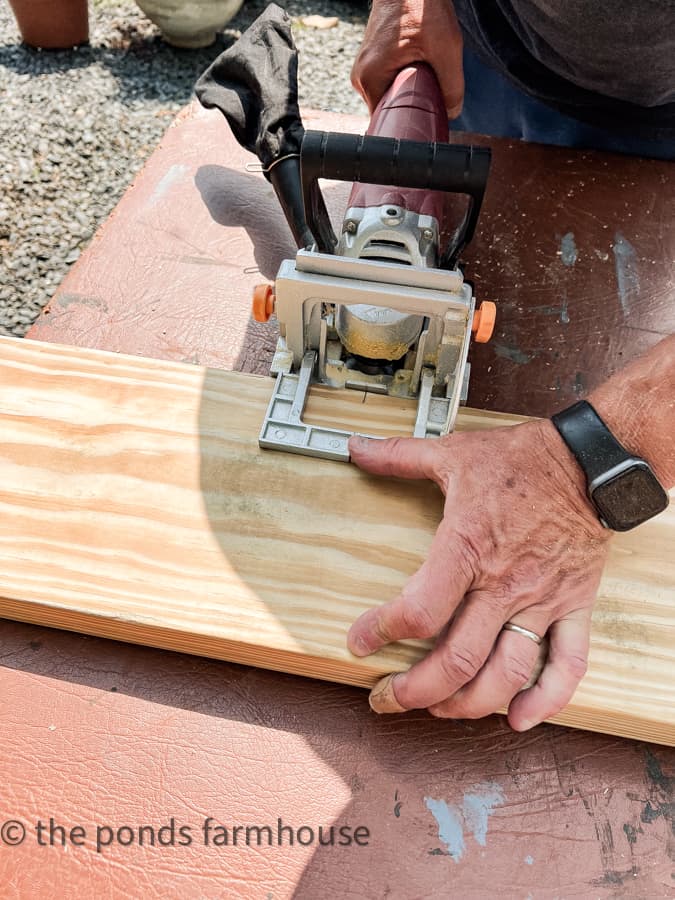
(453, 708)
(459, 664)
(461, 710)
(517, 670)
(470, 555)
(466, 706)
(395, 450)
(496, 595)
(526, 579)
(576, 665)
(417, 620)
(381, 630)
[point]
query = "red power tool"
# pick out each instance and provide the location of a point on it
(384, 307)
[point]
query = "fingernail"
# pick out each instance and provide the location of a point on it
(526, 725)
(358, 646)
(382, 698)
(358, 442)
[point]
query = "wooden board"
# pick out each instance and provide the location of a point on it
(135, 504)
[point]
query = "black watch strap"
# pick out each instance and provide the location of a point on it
(590, 440)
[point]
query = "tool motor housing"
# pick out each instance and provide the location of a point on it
(383, 307)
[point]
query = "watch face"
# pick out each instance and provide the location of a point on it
(630, 498)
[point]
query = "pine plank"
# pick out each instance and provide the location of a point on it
(135, 504)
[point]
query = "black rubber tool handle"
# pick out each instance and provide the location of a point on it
(453, 168)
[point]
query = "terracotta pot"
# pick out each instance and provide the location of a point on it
(190, 23)
(52, 24)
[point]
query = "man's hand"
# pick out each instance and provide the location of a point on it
(401, 32)
(519, 542)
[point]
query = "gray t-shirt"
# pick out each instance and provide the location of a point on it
(608, 63)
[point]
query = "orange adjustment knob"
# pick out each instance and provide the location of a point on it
(263, 302)
(484, 322)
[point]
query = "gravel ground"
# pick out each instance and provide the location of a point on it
(77, 125)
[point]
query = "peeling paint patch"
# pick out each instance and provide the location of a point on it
(66, 300)
(167, 181)
(625, 266)
(473, 816)
(579, 386)
(450, 826)
(479, 807)
(631, 833)
(568, 249)
(562, 311)
(515, 354)
(545, 310)
(662, 800)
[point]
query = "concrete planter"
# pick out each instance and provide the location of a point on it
(52, 24)
(190, 23)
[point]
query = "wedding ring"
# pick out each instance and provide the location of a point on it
(511, 626)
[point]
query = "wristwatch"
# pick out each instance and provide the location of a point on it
(622, 487)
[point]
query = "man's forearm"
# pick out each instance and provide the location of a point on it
(638, 405)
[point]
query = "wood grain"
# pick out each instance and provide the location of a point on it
(135, 504)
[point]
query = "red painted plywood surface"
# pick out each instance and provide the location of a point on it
(99, 733)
